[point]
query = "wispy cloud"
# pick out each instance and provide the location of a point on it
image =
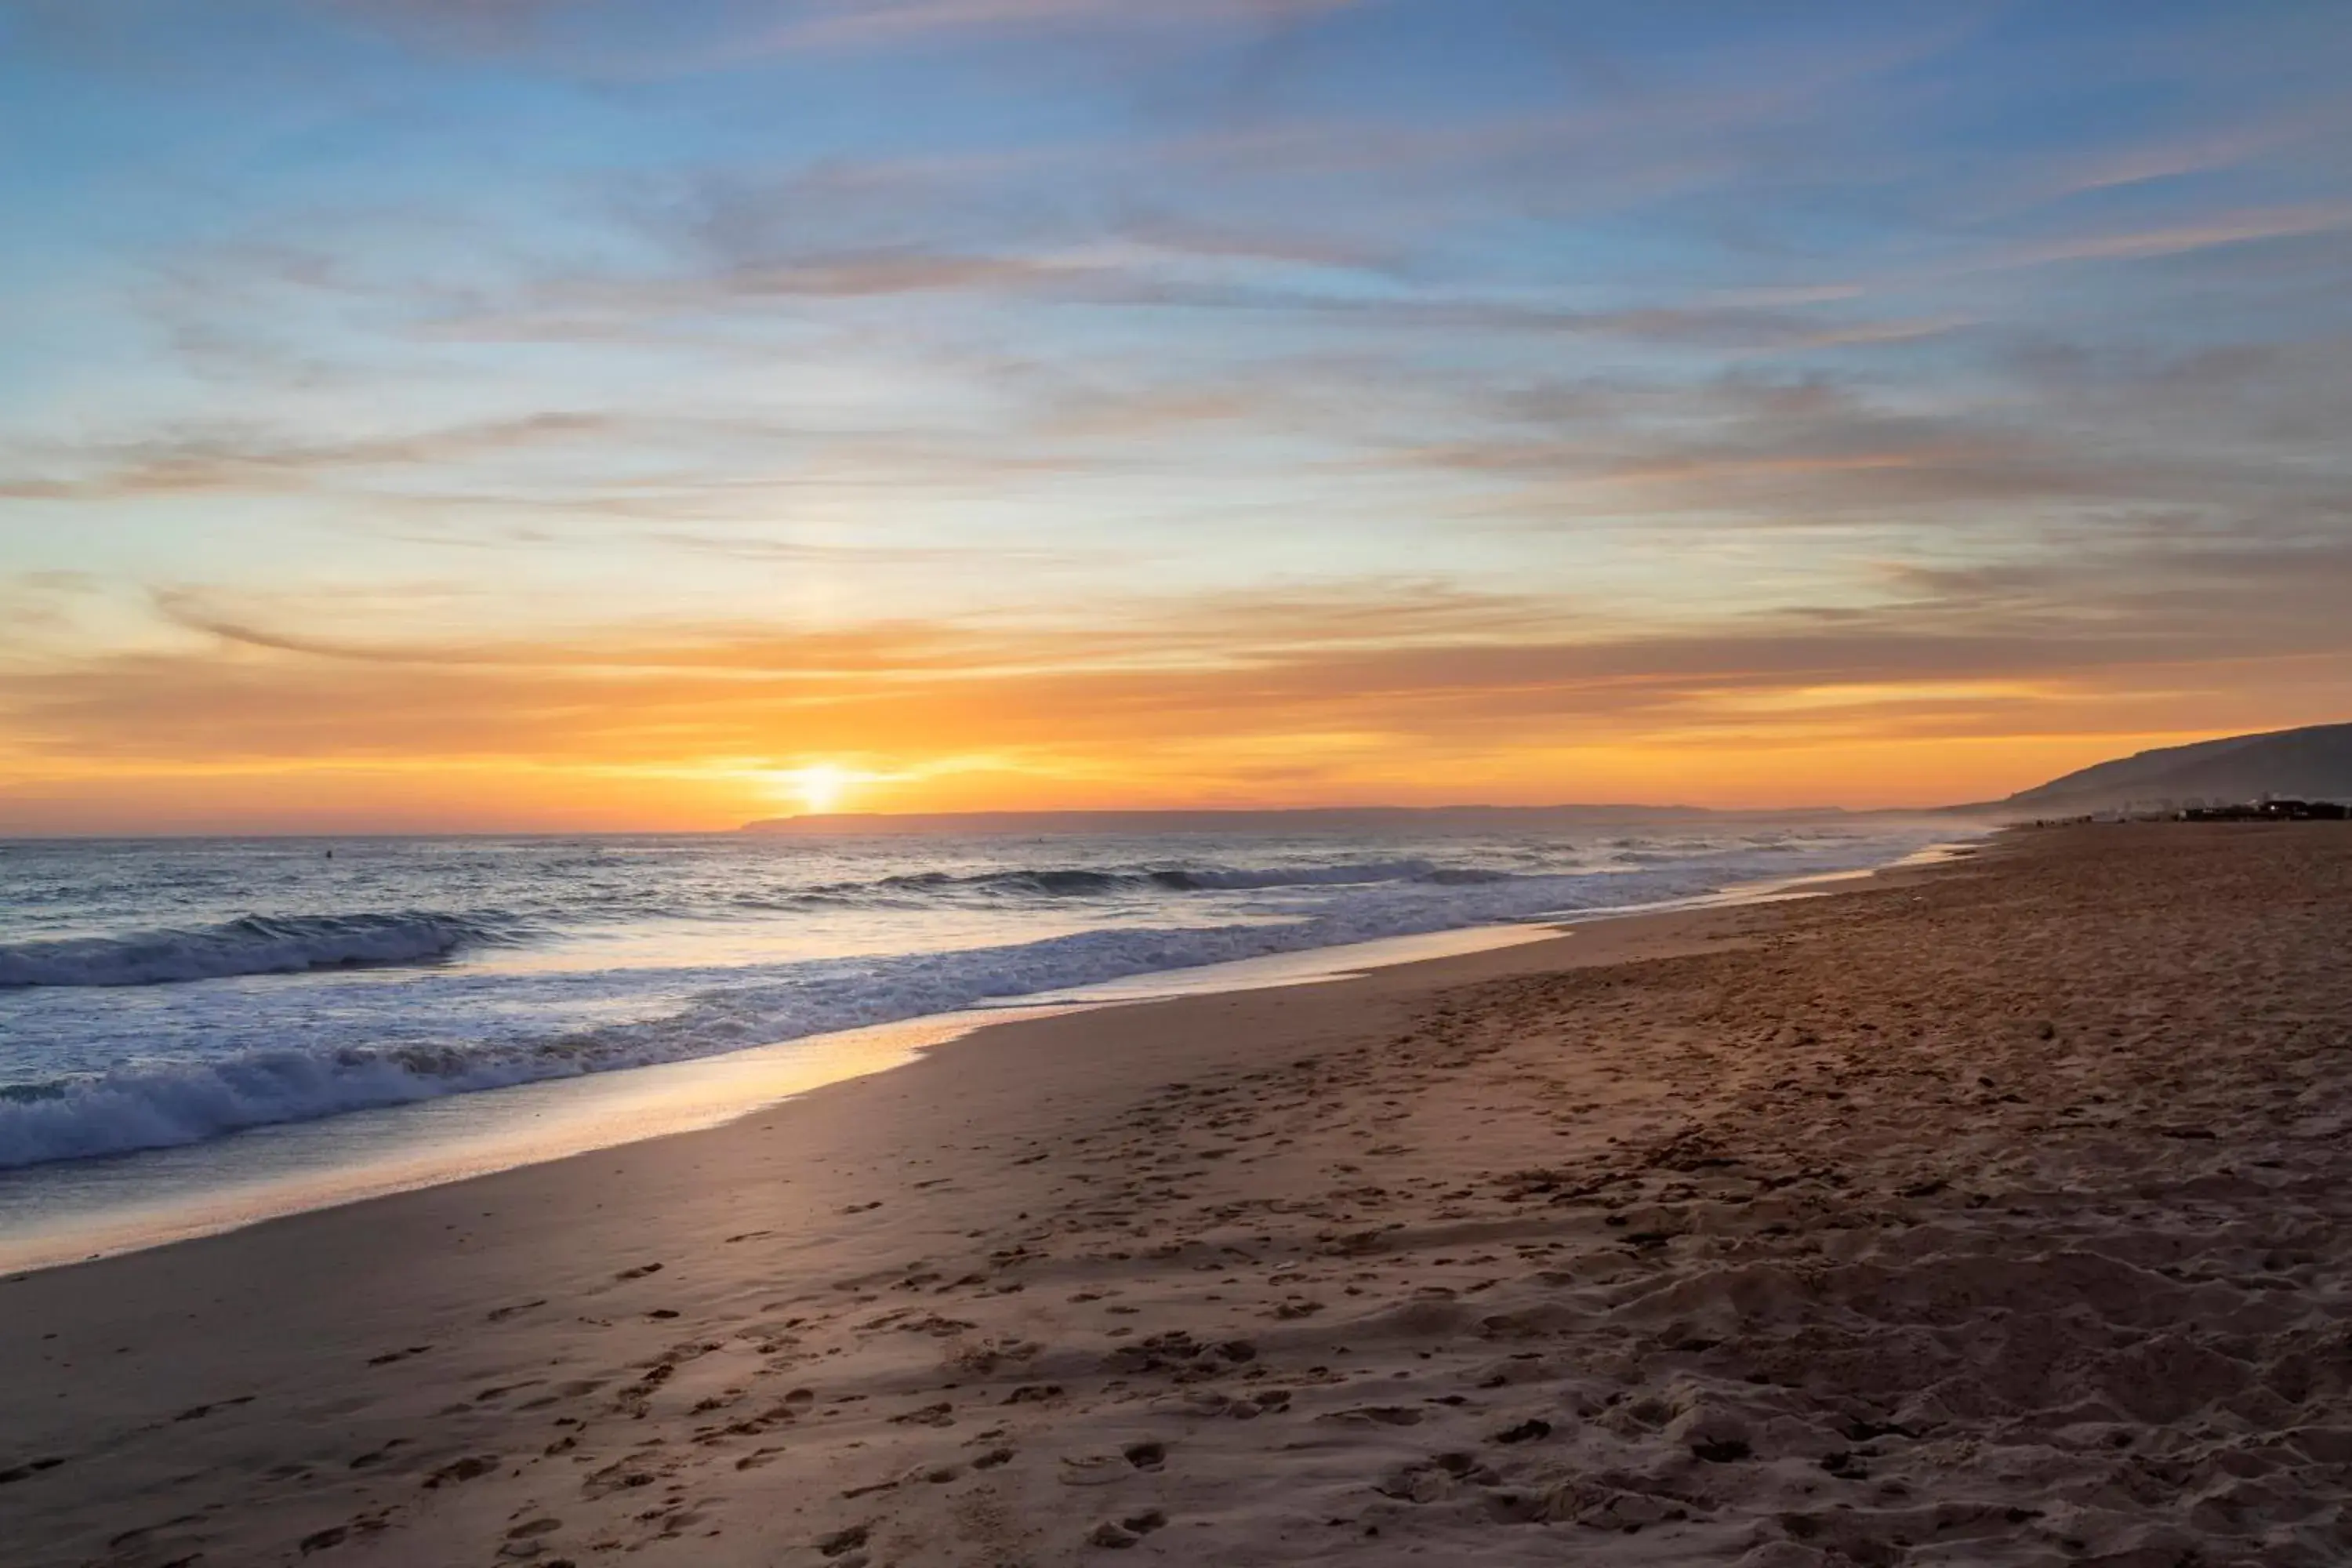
(1419, 664)
(1313, 395)
(247, 460)
(854, 23)
(2208, 233)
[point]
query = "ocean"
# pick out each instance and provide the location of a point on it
(164, 993)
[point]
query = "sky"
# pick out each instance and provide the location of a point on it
(655, 414)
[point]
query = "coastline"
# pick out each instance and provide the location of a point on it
(77, 1211)
(1601, 1248)
(779, 1076)
(293, 1307)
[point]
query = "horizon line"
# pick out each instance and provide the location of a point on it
(809, 822)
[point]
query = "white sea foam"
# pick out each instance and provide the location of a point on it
(250, 1065)
(252, 944)
(1340, 875)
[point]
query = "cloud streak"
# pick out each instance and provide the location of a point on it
(1340, 398)
(866, 24)
(1418, 667)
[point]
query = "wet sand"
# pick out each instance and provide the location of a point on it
(1989, 1214)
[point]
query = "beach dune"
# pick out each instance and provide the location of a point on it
(1989, 1214)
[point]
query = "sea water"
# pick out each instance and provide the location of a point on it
(157, 994)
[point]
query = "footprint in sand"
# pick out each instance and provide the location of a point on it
(1127, 1532)
(1374, 1415)
(1104, 1469)
(531, 1530)
(1091, 1470)
(470, 1468)
(845, 1541)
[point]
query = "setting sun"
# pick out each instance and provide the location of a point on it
(638, 630)
(819, 787)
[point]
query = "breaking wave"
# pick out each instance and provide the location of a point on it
(461, 1028)
(1083, 882)
(255, 945)
(143, 1106)
(293, 945)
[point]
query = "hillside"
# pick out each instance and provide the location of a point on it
(2314, 763)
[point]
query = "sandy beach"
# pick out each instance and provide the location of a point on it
(1987, 1214)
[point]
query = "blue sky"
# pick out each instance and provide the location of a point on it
(616, 406)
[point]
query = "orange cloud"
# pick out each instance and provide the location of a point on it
(1391, 692)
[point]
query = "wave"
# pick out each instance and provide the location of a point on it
(139, 1105)
(1043, 881)
(292, 944)
(255, 945)
(1081, 882)
(136, 1106)
(1345, 874)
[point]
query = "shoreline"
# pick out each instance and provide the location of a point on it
(453, 1284)
(66, 1212)
(1995, 1213)
(297, 1306)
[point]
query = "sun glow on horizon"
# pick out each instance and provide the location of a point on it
(819, 787)
(808, 420)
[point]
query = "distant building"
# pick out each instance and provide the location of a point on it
(2271, 808)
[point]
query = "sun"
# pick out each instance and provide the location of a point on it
(820, 786)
